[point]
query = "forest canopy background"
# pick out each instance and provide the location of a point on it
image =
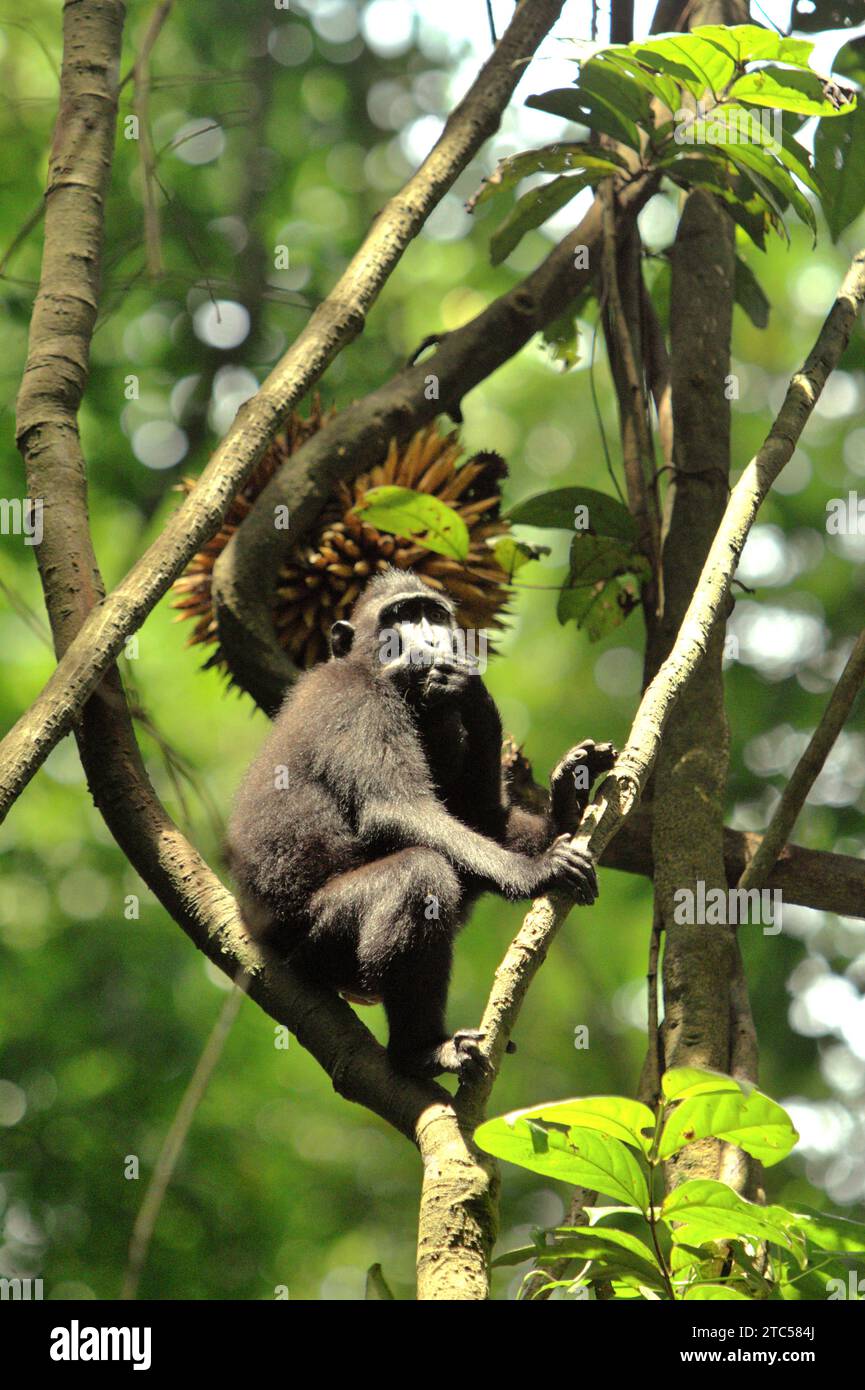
(276, 129)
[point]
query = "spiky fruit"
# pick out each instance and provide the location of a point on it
(324, 575)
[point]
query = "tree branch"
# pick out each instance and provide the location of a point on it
(172, 1144)
(141, 77)
(808, 768)
(808, 877)
(622, 325)
(690, 775)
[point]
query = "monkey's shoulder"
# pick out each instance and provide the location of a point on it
(340, 698)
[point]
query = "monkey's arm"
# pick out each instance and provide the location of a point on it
(528, 832)
(518, 829)
(400, 823)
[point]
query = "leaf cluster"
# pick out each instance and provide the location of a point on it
(703, 1240)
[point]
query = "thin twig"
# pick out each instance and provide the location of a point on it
(157, 19)
(22, 234)
(650, 1081)
(141, 72)
(807, 769)
(637, 450)
(172, 1146)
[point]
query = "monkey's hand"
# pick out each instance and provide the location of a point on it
(449, 679)
(564, 866)
(572, 781)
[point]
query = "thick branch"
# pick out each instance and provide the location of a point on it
(335, 322)
(807, 877)
(690, 775)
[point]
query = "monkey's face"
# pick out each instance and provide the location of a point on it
(420, 649)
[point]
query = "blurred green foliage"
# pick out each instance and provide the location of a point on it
(103, 1016)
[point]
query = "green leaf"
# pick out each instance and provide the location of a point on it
(516, 1257)
(602, 557)
(707, 1267)
(662, 88)
(697, 64)
(680, 1082)
(588, 109)
(753, 215)
(660, 282)
(757, 159)
(563, 344)
(795, 156)
(688, 1259)
(749, 43)
(706, 1293)
(839, 153)
(511, 554)
(786, 90)
(711, 170)
(617, 1116)
(600, 608)
(741, 125)
(613, 1254)
(703, 1210)
(534, 207)
(581, 1157)
(403, 512)
(606, 515)
(562, 336)
(812, 1284)
(826, 1232)
(550, 159)
(753, 1122)
(739, 136)
(590, 1241)
(749, 295)
(760, 165)
(610, 84)
(850, 62)
(594, 596)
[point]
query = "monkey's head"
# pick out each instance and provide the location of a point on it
(406, 632)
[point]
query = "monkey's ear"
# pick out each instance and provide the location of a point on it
(341, 638)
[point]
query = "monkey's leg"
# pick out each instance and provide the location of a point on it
(403, 911)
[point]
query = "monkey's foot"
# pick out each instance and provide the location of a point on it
(594, 757)
(572, 780)
(462, 1053)
(460, 1056)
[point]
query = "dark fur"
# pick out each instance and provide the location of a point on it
(393, 802)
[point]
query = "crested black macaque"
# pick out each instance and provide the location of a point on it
(375, 814)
